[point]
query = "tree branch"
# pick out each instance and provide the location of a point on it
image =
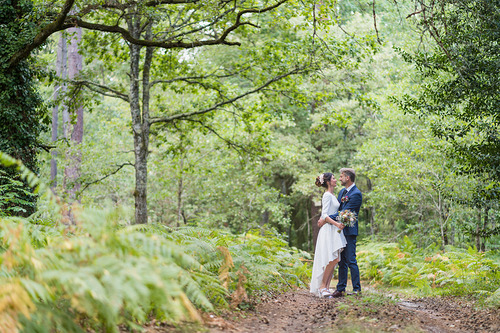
(123, 6)
(177, 44)
(101, 89)
(186, 78)
(42, 36)
(168, 2)
(230, 143)
(375, 22)
(212, 23)
(45, 147)
(229, 101)
(166, 45)
(119, 167)
(415, 13)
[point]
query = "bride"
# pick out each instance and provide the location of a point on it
(330, 241)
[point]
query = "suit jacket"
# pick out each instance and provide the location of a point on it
(355, 198)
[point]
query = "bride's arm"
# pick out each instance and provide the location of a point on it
(325, 206)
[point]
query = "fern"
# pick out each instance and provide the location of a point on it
(101, 272)
(454, 271)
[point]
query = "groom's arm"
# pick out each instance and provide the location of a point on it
(354, 204)
(329, 220)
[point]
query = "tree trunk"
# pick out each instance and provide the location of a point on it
(72, 171)
(140, 121)
(370, 210)
(315, 215)
(61, 72)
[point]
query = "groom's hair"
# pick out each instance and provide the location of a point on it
(349, 172)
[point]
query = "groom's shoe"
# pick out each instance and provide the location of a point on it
(355, 293)
(337, 293)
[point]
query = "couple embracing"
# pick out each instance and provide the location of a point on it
(336, 242)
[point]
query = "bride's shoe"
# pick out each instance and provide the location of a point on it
(324, 292)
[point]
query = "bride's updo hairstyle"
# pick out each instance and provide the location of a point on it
(323, 179)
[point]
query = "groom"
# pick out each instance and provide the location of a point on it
(350, 198)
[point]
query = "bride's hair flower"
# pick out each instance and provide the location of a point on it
(323, 179)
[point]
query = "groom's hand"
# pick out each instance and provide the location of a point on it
(321, 222)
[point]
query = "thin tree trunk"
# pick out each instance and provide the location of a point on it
(485, 226)
(478, 238)
(309, 231)
(370, 210)
(420, 231)
(75, 132)
(265, 218)
(441, 222)
(179, 193)
(61, 72)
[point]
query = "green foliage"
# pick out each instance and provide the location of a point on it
(461, 85)
(12, 194)
(21, 114)
(453, 271)
(105, 273)
(98, 271)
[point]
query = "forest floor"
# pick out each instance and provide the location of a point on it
(374, 311)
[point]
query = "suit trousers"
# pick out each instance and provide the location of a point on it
(348, 260)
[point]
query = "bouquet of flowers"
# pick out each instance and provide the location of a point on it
(347, 218)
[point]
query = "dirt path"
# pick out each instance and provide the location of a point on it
(299, 311)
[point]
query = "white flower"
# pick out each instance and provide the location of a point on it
(321, 180)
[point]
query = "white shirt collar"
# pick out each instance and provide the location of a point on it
(350, 187)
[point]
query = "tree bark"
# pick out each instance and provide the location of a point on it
(74, 132)
(61, 72)
(140, 122)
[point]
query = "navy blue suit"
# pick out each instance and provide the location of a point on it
(348, 256)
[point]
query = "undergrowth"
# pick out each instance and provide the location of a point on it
(455, 271)
(100, 272)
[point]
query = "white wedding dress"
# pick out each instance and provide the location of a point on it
(329, 243)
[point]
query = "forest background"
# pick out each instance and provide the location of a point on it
(206, 124)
